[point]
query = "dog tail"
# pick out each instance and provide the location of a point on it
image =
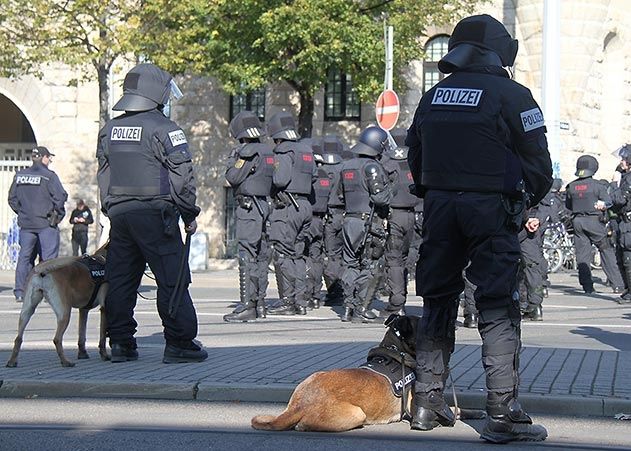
(283, 422)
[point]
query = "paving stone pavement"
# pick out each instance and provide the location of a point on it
(553, 379)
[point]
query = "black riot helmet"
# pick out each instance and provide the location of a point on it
(146, 87)
(282, 126)
(246, 124)
(373, 141)
(557, 184)
(479, 40)
(624, 152)
(586, 166)
(332, 149)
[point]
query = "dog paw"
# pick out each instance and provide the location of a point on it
(11, 364)
(82, 355)
(105, 357)
(67, 364)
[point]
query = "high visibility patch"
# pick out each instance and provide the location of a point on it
(28, 180)
(307, 157)
(239, 163)
(325, 182)
(291, 134)
(349, 175)
(177, 138)
(269, 160)
(531, 119)
(457, 97)
(126, 134)
(580, 187)
(253, 132)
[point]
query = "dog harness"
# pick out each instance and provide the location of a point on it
(96, 266)
(389, 363)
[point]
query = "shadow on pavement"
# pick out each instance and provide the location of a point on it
(617, 340)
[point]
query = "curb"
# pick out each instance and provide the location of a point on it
(280, 393)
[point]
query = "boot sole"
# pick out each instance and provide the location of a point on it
(498, 437)
(182, 360)
(120, 359)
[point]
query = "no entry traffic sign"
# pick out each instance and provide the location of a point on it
(387, 109)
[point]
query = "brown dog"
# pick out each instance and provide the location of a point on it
(65, 283)
(344, 399)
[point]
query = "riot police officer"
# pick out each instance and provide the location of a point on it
(401, 223)
(249, 170)
(37, 197)
(365, 188)
(146, 183)
(293, 176)
(333, 241)
(478, 151)
(621, 197)
(588, 200)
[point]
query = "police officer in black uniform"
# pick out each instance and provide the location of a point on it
(249, 170)
(367, 193)
(401, 223)
(477, 151)
(146, 184)
(333, 240)
(290, 219)
(621, 197)
(37, 197)
(588, 200)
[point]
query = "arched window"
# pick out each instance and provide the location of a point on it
(435, 49)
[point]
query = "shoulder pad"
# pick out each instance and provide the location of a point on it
(400, 153)
(285, 147)
(372, 168)
(248, 150)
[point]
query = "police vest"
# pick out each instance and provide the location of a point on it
(321, 191)
(625, 188)
(584, 194)
(259, 183)
(356, 195)
(302, 167)
(398, 374)
(129, 143)
(334, 171)
(96, 267)
(403, 198)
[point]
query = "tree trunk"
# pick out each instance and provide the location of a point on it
(104, 94)
(305, 114)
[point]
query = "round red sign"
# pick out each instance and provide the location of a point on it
(387, 109)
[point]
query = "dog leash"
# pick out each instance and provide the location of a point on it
(405, 415)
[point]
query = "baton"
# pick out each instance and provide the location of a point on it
(293, 201)
(174, 301)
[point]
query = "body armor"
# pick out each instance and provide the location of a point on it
(302, 168)
(259, 183)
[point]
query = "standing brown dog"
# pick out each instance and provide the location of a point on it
(65, 283)
(344, 399)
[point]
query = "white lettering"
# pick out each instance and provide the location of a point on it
(126, 134)
(28, 180)
(177, 137)
(531, 119)
(457, 96)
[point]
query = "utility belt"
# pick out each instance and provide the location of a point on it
(319, 214)
(248, 202)
(360, 215)
(517, 211)
(284, 199)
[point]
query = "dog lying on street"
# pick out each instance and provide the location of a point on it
(344, 399)
(66, 282)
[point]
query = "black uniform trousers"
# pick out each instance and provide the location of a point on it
(532, 269)
(136, 238)
(400, 234)
(79, 241)
(590, 230)
(253, 249)
(417, 240)
(333, 245)
(289, 234)
(315, 262)
(460, 227)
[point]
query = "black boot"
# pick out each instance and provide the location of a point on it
(124, 352)
(470, 320)
(286, 307)
(347, 315)
(507, 422)
(392, 309)
(261, 309)
(436, 412)
(534, 313)
(187, 351)
(364, 315)
(243, 313)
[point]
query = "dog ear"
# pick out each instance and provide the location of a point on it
(391, 320)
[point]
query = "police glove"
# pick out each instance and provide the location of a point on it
(191, 228)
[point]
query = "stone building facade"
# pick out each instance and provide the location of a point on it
(595, 105)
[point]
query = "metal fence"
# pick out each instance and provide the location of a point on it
(9, 230)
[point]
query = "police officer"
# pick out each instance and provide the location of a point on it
(319, 199)
(477, 151)
(249, 171)
(588, 200)
(293, 176)
(366, 191)
(37, 197)
(621, 197)
(333, 241)
(146, 183)
(401, 223)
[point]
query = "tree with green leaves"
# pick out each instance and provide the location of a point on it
(249, 43)
(84, 34)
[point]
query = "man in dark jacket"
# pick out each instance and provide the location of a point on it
(478, 154)
(147, 183)
(80, 218)
(37, 197)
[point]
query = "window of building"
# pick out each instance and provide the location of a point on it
(435, 49)
(340, 99)
(230, 225)
(252, 101)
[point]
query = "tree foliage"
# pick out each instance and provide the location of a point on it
(249, 43)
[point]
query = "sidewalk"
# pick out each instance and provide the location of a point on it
(554, 380)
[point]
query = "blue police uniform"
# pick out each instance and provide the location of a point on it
(38, 198)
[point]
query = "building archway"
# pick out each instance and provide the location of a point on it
(17, 136)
